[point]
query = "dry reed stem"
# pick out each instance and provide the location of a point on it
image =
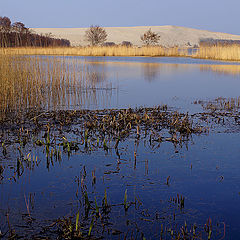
(227, 53)
(36, 83)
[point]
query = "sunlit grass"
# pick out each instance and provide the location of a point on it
(219, 52)
(215, 52)
(99, 51)
(36, 83)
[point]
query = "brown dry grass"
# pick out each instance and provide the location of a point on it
(36, 83)
(98, 51)
(218, 52)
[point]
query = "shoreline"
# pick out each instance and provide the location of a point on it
(122, 51)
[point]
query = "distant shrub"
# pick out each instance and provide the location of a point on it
(109, 44)
(126, 44)
(150, 38)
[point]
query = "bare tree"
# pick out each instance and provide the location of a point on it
(5, 28)
(19, 29)
(150, 38)
(5, 24)
(96, 35)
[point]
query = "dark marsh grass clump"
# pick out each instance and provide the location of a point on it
(104, 130)
(222, 104)
(100, 126)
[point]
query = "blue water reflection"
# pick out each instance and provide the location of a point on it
(142, 81)
(205, 170)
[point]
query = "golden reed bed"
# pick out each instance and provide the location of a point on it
(35, 83)
(227, 52)
(218, 52)
(97, 51)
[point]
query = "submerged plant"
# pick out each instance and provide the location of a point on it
(125, 203)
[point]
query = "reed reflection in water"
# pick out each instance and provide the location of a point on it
(222, 69)
(153, 71)
(50, 83)
(45, 83)
(175, 82)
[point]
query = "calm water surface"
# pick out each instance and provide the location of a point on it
(178, 82)
(205, 170)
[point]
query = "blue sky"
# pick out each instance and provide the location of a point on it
(213, 15)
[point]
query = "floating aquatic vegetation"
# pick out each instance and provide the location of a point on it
(220, 112)
(221, 104)
(90, 130)
(59, 133)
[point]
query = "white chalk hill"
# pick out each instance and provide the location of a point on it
(170, 35)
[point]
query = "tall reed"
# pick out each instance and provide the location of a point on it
(215, 52)
(99, 51)
(37, 83)
(219, 52)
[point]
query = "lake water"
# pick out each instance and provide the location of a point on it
(204, 170)
(143, 81)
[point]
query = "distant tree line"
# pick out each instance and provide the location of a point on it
(18, 35)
